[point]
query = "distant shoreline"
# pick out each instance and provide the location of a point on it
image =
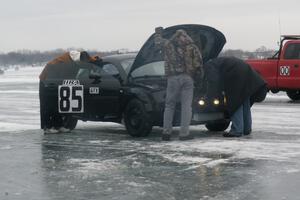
(34, 57)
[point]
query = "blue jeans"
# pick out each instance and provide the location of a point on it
(179, 87)
(241, 120)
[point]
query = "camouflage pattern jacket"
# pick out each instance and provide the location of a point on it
(182, 59)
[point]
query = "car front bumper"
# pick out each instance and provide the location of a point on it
(202, 118)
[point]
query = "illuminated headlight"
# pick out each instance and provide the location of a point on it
(216, 102)
(201, 102)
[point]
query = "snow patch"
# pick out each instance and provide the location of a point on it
(94, 165)
(18, 92)
(6, 126)
(214, 163)
(6, 147)
(291, 171)
(99, 141)
(234, 148)
(185, 159)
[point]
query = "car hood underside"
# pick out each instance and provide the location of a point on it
(209, 40)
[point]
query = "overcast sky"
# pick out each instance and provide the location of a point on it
(114, 24)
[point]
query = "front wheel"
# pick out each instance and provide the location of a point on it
(69, 122)
(293, 94)
(217, 126)
(137, 120)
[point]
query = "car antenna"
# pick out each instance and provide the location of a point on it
(279, 26)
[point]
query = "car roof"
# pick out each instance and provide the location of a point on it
(290, 37)
(117, 57)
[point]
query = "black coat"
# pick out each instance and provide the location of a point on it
(237, 79)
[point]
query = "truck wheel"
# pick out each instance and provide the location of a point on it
(217, 126)
(293, 94)
(69, 122)
(137, 120)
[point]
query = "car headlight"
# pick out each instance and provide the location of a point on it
(201, 102)
(216, 102)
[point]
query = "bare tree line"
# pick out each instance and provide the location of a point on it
(260, 53)
(29, 57)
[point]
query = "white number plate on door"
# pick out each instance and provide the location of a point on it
(70, 98)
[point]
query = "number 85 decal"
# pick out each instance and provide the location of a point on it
(70, 98)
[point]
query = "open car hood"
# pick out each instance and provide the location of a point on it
(208, 39)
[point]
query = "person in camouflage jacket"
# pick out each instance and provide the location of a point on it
(182, 60)
(182, 55)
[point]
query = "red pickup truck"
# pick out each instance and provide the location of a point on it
(282, 71)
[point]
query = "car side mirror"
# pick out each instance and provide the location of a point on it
(95, 75)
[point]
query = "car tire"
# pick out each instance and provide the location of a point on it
(69, 122)
(217, 126)
(137, 120)
(293, 94)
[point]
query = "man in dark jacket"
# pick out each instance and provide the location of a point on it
(242, 87)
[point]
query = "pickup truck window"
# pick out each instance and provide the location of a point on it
(292, 51)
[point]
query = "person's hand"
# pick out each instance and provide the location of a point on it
(159, 30)
(198, 77)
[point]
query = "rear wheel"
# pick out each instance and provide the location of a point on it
(69, 122)
(293, 94)
(137, 120)
(217, 126)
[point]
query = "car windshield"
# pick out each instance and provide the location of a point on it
(126, 64)
(150, 69)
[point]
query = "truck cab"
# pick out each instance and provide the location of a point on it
(282, 71)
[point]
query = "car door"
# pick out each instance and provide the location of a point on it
(289, 66)
(101, 91)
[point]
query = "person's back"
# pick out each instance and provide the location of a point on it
(240, 83)
(182, 59)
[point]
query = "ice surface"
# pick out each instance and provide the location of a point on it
(101, 159)
(19, 110)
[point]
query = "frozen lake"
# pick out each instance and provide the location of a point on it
(100, 161)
